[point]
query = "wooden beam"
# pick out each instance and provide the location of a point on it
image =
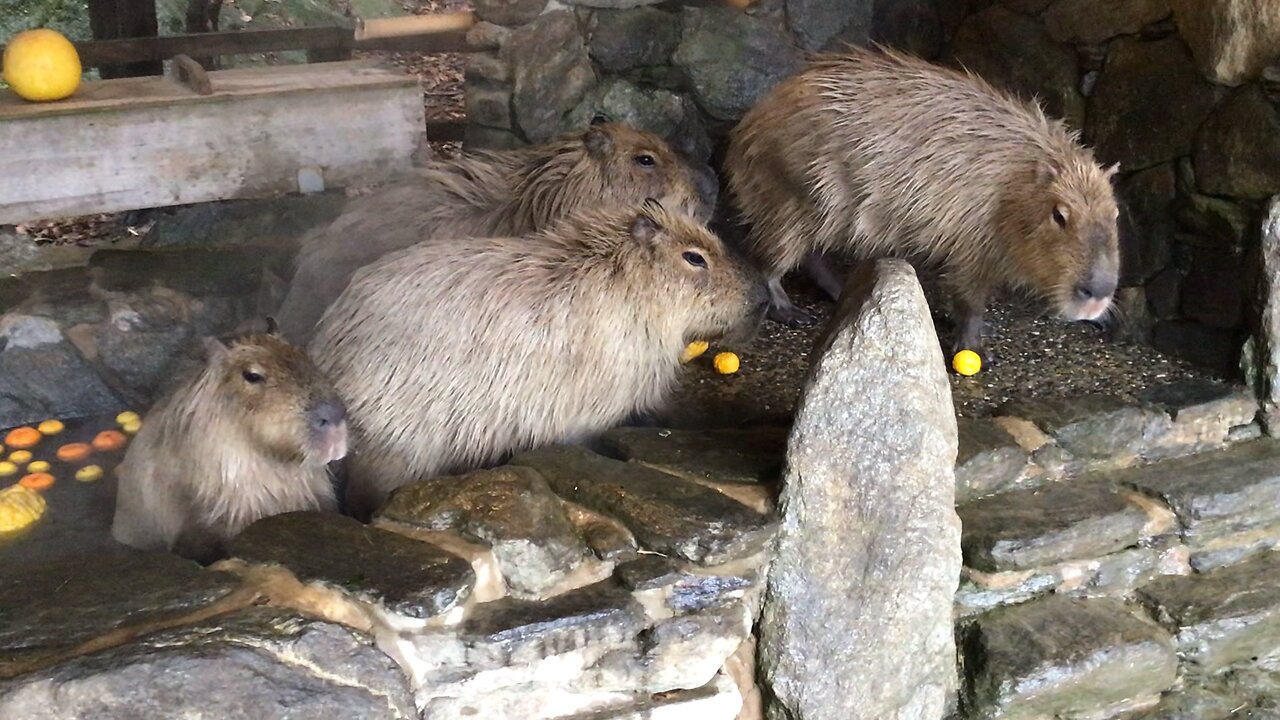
(154, 142)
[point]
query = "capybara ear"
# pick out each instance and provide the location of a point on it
(645, 227)
(214, 350)
(273, 327)
(1111, 171)
(1046, 172)
(597, 141)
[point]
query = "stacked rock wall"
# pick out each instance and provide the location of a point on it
(1181, 93)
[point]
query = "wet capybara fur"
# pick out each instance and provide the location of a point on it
(249, 436)
(451, 355)
(876, 153)
(490, 194)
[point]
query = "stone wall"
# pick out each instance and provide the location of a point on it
(1181, 93)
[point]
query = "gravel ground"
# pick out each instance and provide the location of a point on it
(1029, 355)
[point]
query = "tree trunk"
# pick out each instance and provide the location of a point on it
(202, 17)
(112, 19)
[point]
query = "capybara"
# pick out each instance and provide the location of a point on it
(450, 355)
(249, 436)
(877, 153)
(491, 194)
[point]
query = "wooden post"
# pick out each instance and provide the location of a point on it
(202, 17)
(111, 19)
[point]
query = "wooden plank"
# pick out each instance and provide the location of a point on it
(138, 93)
(249, 139)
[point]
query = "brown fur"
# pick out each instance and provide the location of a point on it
(879, 153)
(490, 194)
(248, 437)
(452, 354)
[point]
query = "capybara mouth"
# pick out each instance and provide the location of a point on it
(330, 443)
(1090, 309)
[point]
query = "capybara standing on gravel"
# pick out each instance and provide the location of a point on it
(250, 436)
(879, 153)
(451, 355)
(490, 194)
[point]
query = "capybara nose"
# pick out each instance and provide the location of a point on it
(1100, 285)
(327, 414)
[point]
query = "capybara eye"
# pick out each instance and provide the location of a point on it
(694, 259)
(1059, 217)
(645, 160)
(252, 377)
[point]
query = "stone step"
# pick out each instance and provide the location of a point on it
(1227, 503)
(1226, 617)
(1068, 658)
(1064, 521)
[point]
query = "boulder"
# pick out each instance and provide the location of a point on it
(1093, 21)
(552, 73)
(1237, 148)
(624, 39)
(732, 59)
(1145, 85)
(670, 115)
(42, 376)
(1014, 52)
(820, 24)
(861, 628)
(1268, 380)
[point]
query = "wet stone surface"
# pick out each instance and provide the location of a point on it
(666, 513)
(1061, 657)
(1030, 528)
(58, 605)
(255, 663)
(511, 509)
(1089, 425)
(1216, 494)
(403, 575)
(647, 572)
(1225, 617)
(988, 460)
(733, 456)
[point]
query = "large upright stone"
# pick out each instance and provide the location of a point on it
(821, 23)
(732, 59)
(857, 617)
(1094, 21)
(1014, 52)
(552, 72)
(1268, 383)
(42, 375)
(1232, 40)
(1146, 85)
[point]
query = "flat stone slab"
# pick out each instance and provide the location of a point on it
(667, 514)
(1089, 425)
(988, 460)
(1032, 528)
(56, 606)
(726, 456)
(1204, 413)
(1062, 657)
(257, 663)
(648, 572)
(1216, 494)
(406, 576)
(510, 508)
(1225, 617)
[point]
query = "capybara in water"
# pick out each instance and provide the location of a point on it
(249, 436)
(491, 194)
(878, 153)
(450, 355)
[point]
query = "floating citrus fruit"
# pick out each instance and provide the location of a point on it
(23, 437)
(127, 417)
(41, 65)
(50, 427)
(74, 452)
(693, 350)
(89, 473)
(7, 468)
(19, 507)
(967, 362)
(38, 466)
(726, 363)
(20, 457)
(37, 481)
(109, 440)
